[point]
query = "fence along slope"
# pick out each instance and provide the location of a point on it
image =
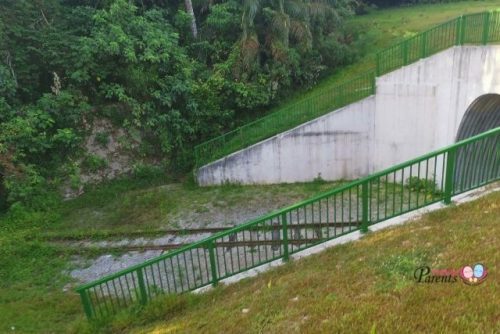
(428, 179)
(481, 28)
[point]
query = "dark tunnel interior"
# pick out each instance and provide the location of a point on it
(482, 115)
(480, 160)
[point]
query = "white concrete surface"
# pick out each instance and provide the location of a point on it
(419, 107)
(334, 146)
(416, 109)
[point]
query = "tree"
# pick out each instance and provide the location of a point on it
(190, 11)
(170, 73)
(282, 22)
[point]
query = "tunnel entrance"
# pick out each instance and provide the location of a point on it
(479, 162)
(482, 115)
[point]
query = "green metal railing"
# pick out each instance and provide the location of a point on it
(479, 28)
(303, 111)
(434, 177)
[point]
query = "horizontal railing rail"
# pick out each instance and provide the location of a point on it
(434, 177)
(296, 114)
(481, 28)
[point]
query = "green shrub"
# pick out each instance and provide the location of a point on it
(102, 139)
(145, 171)
(426, 186)
(94, 163)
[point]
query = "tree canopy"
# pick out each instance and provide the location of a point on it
(175, 72)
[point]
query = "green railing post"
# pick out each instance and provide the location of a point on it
(486, 27)
(377, 65)
(463, 24)
(458, 30)
(84, 296)
(449, 176)
(423, 53)
(373, 83)
(364, 209)
(405, 52)
(286, 255)
(142, 286)
(213, 268)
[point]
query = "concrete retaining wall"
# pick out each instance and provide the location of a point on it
(419, 107)
(334, 146)
(416, 109)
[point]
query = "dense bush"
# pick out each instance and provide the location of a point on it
(154, 67)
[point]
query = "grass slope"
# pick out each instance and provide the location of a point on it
(343, 289)
(355, 288)
(33, 297)
(35, 294)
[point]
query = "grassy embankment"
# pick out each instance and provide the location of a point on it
(361, 287)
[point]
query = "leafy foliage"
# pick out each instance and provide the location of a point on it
(140, 64)
(427, 186)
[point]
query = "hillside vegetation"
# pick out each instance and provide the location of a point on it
(154, 76)
(91, 89)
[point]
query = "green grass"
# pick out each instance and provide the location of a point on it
(127, 206)
(353, 288)
(36, 295)
(384, 28)
(393, 25)
(32, 270)
(390, 26)
(134, 207)
(32, 299)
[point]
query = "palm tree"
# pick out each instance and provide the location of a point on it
(190, 11)
(289, 19)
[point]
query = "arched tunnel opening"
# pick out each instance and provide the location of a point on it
(479, 162)
(482, 115)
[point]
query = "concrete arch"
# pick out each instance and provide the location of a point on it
(482, 115)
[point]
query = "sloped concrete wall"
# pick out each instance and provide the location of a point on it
(334, 146)
(416, 109)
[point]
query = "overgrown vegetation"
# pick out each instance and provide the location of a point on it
(125, 206)
(36, 294)
(168, 75)
(173, 74)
